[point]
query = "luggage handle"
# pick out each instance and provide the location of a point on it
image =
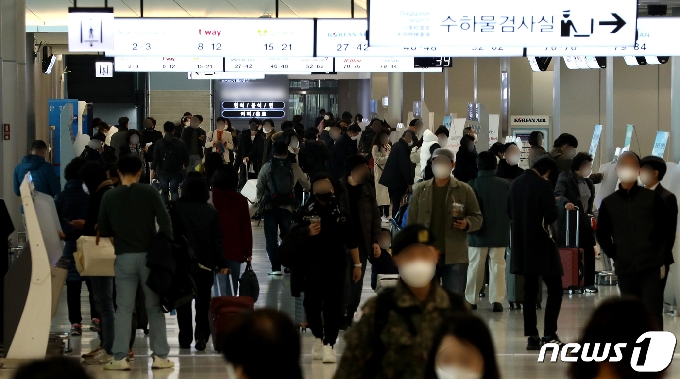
(219, 292)
(578, 217)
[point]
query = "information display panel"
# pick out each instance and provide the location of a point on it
(281, 65)
(655, 37)
(375, 64)
(347, 38)
(520, 23)
(211, 37)
(168, 64)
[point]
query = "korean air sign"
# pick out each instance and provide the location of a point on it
(519, 23)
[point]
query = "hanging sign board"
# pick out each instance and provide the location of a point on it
(596, 140)
(211, 37)
(90, 29)
(660, 144)
(168, 64)
(520, 23)
(347, 38)
(375, 64)
(629, 136)
(276, 65)
(655, 37)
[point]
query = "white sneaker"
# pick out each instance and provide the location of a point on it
(121, 365)
(328, 354)
(159, 362)
(317, 349)
(101, 358)
(275, 273)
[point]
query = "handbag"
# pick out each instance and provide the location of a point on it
(248, 283)
(95, 256)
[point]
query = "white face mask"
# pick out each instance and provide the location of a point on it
(134, 139)
(417, 274)
(87, 191)
(646, 177)
(410, 143)
(455, 372)
(512, 159)
(627, 174)
(252, 138)
(441, 171)
(326, 117)
(267, 129)
(294, 143)
(443, 142)
(498, 159)
(354, 138)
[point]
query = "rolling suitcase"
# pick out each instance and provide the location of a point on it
(224, 311)
(572, 261)
(515, 287)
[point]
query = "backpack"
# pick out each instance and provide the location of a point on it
(281, 183)
(384, 304)
(171, 156)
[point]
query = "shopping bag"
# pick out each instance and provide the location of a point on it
(95, 256)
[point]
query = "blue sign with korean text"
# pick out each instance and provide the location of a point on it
(629, 136)
(660, 144)
(596, 140)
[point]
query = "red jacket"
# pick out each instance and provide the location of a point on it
(235, 220)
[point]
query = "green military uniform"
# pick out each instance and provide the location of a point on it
(405, 353)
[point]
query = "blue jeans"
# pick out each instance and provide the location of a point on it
(276, 219)
(224, 287)
(131, 270)
(454, 277)
(102, 292)
(169, 181)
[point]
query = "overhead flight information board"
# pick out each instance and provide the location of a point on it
(376, 64)
(210, 37)
(279, 65)
(168, 64)
(520, 23)
(347, 38)
(656, 37)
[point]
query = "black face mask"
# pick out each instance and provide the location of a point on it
(324, 197)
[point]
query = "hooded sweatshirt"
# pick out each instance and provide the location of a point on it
(429, 139)
(45, 180)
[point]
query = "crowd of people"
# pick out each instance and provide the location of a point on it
(325, 195)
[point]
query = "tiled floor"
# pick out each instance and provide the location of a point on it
(506, 329)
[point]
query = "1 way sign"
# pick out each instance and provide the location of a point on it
(502, 23)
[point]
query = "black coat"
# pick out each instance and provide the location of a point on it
(253, 149)
(200, 224)
(531, 205)
(344, 148)
(150, 135)
(314, 156)
(672, 208)
(466, 161)
(188, 133)
(399, 170)
(567, 189)
(633, 229)
(506, 171)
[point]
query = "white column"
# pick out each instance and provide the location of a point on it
(12, 47)
(609, 111)
(505, 96)
(557, 68)
(395, 85)
(674, 142)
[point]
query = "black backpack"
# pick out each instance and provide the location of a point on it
(171, 156)
(281, 183)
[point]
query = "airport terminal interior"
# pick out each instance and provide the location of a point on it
(386, 156)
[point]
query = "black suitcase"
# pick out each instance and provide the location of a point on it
(515, 287)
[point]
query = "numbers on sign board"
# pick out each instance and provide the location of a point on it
(640, 47)
(148, 46)
(269, 46)
(134, 46)
(286, 46)
(200, 46)
(362, 47)
(214, 46)
(342, 47)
